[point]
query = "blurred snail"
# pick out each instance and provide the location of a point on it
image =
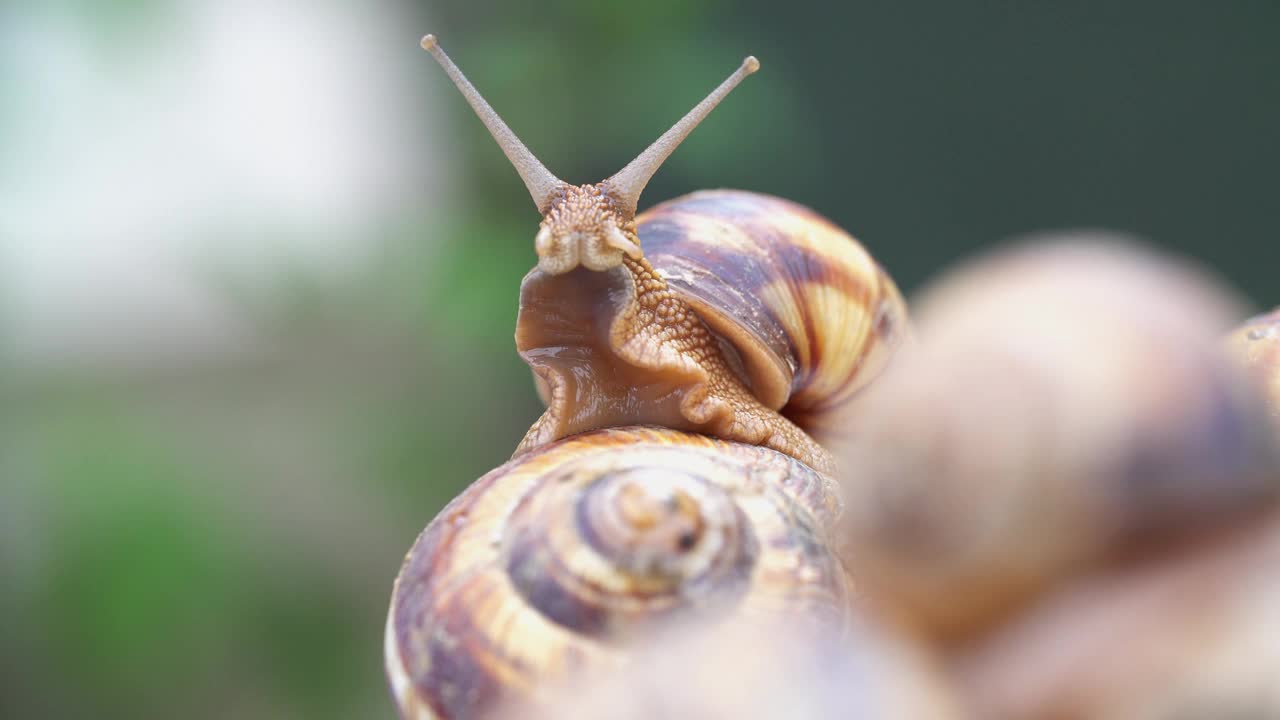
(736, 326)
(1186, 626)
(1067, 403)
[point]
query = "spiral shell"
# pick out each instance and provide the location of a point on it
(556, 561)
(812, 316)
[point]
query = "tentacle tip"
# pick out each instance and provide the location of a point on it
(750, 64)
(429, 42)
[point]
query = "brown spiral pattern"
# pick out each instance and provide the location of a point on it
(551, 562)
(812, 316)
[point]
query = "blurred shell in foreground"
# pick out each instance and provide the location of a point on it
(760, 673)
(1192, 634)
(1065, 398)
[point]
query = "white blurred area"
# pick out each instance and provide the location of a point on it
(150, 172)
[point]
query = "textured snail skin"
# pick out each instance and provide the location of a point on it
(1065, 401)
(743, 305)
(1191, 632)
(557, 561)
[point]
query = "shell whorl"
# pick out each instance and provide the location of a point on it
(812, 316)
(555, 561)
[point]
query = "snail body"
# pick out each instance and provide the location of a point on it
(554, 562)
(780, 316)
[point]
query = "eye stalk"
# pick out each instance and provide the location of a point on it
(543, 186)
(629, 182)
(586, 224)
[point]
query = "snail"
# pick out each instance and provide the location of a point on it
(734, 314)
(1066, 402)
(689, 358)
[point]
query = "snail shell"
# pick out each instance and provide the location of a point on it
(556, 561)
(812, 315)
(1190, 633)
(765, 672)
(1066, 401)
(800, 311)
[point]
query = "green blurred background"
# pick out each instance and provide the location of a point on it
(259, 265)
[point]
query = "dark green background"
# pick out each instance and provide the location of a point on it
(189, 566)
(928, 129)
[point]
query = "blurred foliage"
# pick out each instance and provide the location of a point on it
(219, 541)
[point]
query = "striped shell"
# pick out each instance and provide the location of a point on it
(1039, 431)
(558, 560)
(812, 316)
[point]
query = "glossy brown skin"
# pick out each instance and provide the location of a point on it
(742, 306)
(559, 560)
